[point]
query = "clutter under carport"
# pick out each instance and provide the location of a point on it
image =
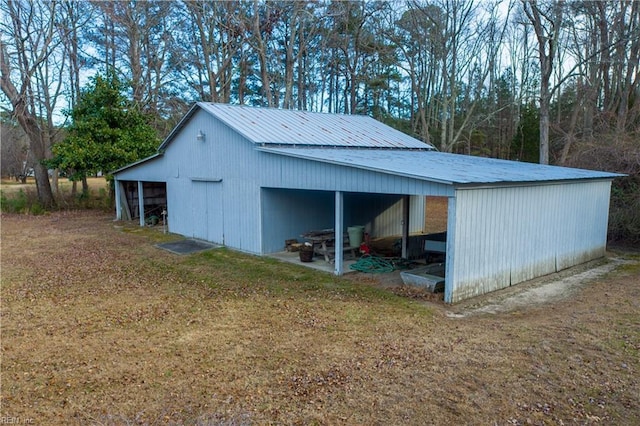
(381, 255)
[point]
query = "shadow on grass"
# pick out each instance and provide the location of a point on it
(226, 269)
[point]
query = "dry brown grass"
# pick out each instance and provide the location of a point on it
(10, 186)
(100, 327)
(18, 197)
(435, 218)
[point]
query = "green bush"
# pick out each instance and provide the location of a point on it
(616, 153)
(14, 203)
(36, 209)
(624, 217)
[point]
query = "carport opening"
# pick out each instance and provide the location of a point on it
(435, 227)
(154, 196)
(292, 216)
(426, 245)
(427, 234)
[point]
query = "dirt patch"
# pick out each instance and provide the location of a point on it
(100, 327)
(544, 290)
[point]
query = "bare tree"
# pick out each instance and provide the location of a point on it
(602, 39)
(351, 37)
(135, 39)
(262, 22)
(626, 65)
(459, 15)
(546, 20)
(294, 36)
(31, 69)
(212, 34)
(14, 154)
(416, 40)
(78, 15)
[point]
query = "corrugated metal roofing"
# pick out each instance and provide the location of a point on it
(288, 127)
(442, 167)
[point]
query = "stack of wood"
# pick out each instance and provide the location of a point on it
(292, 245)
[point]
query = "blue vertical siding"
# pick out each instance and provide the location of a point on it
(224, 190)
(207, 211)
(279, 171)
(287, 214)
(225, 154)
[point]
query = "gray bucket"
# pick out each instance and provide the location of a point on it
(355, 235)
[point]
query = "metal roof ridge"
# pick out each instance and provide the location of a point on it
(348, 147)
(271, 108)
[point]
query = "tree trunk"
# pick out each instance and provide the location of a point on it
(85, 187)
(29, 124)
(547, 47)
(261, 51)
(544, 120)
(444, 109)
(289, 57)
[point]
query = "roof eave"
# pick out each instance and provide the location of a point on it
(344, 163)
(137, 163)
(181, 124)
(516, 183)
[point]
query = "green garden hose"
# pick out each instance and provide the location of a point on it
(372, 264)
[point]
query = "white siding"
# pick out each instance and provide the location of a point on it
(389, 221)
(503, 236)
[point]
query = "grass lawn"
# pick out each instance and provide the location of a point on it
(100, 327)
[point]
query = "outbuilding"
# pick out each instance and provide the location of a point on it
(251, 178)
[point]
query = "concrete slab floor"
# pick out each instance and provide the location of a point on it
(318, 263)
(186, 246)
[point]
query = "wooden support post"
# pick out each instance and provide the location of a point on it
(339, 230)
(405, 226)
(141, 202)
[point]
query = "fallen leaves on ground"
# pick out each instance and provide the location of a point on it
(101, 327)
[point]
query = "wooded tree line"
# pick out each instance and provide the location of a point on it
(549, 80)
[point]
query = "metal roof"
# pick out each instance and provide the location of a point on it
(442, 167)
(271, 126)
